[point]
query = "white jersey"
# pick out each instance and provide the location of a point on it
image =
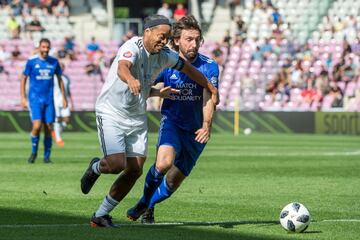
(116, 98)
(58, 101)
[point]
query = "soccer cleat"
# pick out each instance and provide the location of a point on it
(148, 216)
(89, 177)
(60, 143)
(103, 221)
(135, 212)
(32, 158)
(47, 160)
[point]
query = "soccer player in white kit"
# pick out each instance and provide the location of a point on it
(121, 110)
(62, 115)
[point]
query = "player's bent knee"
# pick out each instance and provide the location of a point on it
(134, 173)
(163, 166)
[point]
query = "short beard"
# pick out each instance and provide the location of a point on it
(190, 56)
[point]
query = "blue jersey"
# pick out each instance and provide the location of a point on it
(186, 111)
(41, 73)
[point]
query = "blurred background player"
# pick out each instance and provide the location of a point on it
(41, 69)
(121, 111)
(62, 115)
(185, 125)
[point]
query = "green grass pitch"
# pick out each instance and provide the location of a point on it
(236, 190)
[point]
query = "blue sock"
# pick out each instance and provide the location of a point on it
(152, 181)
(47, 147)
(34, 144)
(162, 192)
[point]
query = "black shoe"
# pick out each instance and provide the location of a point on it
(148, 216)
(89, 177)
(47, 160)
(103, 221)
(135, 212)
(32, 158)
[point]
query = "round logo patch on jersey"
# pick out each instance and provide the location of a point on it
(127, 54)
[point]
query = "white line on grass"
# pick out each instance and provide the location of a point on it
(169, 224)
(341, 220)
(244, 153)
(284, 154)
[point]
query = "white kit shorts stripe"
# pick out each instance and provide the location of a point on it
(115, 137)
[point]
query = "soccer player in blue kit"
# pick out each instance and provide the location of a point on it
(185, 125)
(41, 69)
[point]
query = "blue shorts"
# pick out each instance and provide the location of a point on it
(187, 149)
(44, 112)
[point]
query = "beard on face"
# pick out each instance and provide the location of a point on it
(190, 54)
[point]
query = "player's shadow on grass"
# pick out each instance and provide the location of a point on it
(16, 224)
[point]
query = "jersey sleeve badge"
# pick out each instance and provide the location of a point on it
(127, 54)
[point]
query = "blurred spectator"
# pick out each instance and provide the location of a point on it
(277, 34)
(338, 24)
(4, 55)
(266, 48)
(16, 54)
(61, 53)
(165, 11)
(257, 55)
(336, 92)
(258, 4)
(179, 12)
(3, 3)
(26, 10)
(338, 70)
(329, 62)
(46, 6)
(217, 55)
(16, 7)
(112, 58)
(297, 78)
(34, 25)
(61, 9)
(13, 27)
(232, 7)
(226, 41)
(276, 17)
(92, 47)
(346, 48)
(69, 44)
(269, 4)
(2, 68)
(240, 26)
(327, 25)
(96, 66)
(126, 37)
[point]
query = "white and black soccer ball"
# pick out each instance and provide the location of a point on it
(295, 217)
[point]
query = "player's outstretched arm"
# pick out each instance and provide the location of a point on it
(23, 90)
(62, 90)
(199, 78)
(203, 134)
(164, 92)
(125, 75)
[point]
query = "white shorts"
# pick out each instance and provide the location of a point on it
(62, 112)
(116, 137)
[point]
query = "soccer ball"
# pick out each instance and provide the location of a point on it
(295, 217)
(247, 131)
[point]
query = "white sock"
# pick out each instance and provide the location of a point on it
(63, 124)
(96, 168)
(107, 206)
(57, 129)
